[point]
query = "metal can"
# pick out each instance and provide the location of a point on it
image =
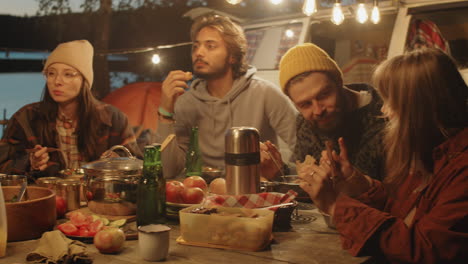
(69, 190)
(48, 182)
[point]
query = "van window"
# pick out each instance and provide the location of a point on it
(441, 28)
(357, 48)
(267, 45)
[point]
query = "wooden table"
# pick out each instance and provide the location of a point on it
(309, 241)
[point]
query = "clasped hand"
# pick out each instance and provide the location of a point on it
(324, 182)
(39, 158)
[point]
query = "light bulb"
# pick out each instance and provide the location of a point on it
(337, 14)
(276, 2)
(375, 15)
(234, 2)
(309, 7)
(156, 59)
(361, 14)
(289, 33)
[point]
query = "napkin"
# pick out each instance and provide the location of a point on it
(55, 248)
(257, 200)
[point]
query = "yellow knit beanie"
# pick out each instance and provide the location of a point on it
(78, 54)
(303, 58)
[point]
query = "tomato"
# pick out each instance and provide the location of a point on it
(80, 219)
(95, 227)
(174, 190)
(83, 231)
(109, 240)
(193, 195)
(68, 229)
(61, 206)
(196, 181)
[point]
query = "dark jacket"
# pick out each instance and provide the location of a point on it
(27, 128)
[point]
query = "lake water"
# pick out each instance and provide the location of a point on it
(17, 90)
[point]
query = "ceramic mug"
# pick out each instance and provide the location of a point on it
(153, 242)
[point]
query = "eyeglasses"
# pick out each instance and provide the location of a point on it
(67, 75)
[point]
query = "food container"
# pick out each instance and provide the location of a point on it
(111, 184)
(230, 228)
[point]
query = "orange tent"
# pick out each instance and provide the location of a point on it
(139, 101)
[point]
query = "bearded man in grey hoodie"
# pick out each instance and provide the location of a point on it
(226, 94)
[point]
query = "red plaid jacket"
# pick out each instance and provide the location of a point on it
(27, 128)
(373, 224)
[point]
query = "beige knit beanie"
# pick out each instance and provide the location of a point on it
(78, 54)
(303, 58)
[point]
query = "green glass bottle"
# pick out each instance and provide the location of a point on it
(151, 191)
(193, 160)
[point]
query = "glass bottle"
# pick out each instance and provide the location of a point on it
(151, 191)
(193, 160)
(3, 224)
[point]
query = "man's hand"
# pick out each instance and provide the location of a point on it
(173, 86)
(271, 164)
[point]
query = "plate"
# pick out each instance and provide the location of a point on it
(172, 209)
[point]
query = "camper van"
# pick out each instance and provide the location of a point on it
(356, 47)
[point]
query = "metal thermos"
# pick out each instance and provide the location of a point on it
(242, 160)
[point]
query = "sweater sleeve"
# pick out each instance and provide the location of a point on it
(282, 116)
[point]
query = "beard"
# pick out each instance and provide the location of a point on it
(213, 72)
(336, 118)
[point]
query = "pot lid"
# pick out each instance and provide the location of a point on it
(116, 163)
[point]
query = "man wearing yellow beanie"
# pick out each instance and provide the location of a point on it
(329, 110)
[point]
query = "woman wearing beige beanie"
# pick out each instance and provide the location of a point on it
(69, 126)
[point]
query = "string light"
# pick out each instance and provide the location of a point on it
(375, 15)
(156, 59)
(276, 2)
(309, 7)
(361, 14)
(337, 13)
(234, 2)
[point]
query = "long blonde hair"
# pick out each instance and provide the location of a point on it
(428, 99)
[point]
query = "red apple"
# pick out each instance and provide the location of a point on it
(174, 190)
(60, 205)
(195, 181)
(218, 186)
(109, 240)
(193, 195)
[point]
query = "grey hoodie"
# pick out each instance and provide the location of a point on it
(251, 102)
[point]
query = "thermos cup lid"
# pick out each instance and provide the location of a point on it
(242, 140)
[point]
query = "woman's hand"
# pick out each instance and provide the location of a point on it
(39, 158)
(317, 182)
(270, 160)
(348, 179)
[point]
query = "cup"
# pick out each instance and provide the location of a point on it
(69, 189)
(153, 242)
(13, 180)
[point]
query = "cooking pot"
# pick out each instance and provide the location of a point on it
(111, 184)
